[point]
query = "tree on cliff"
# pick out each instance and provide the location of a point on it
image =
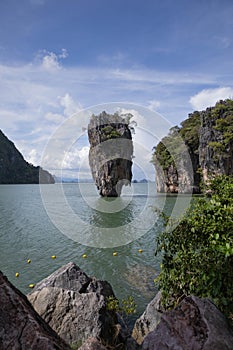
(197, 256)
(208, 136)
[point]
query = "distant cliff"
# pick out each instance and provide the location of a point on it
(111, 152)
(208, 136)
(15, 170)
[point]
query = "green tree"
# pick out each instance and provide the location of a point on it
(197, 256)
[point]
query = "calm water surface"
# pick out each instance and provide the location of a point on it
(27, 232)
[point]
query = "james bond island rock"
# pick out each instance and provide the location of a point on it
(194, 324)
(208, 138)
(15, 170)
(75, 306)
(111, 152)
(20, 325)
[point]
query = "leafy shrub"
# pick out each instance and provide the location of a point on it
(197, 256)
(125, 307)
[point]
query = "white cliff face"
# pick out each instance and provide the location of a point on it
(111, 152)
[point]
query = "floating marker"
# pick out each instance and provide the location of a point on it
(114, 253)
(140, 250)
(31, 285)
(53, 256)
(84, 256)
(29, 261)
(17, 274)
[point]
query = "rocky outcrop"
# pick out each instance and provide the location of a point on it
(195, 324)
(92, 344)
(208, 136)
(15, 170)
(20, 325)
(216, 140)
(74, 305)
(149, 320)
(111, 152)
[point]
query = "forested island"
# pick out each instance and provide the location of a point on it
(14, 169)
(208, 137)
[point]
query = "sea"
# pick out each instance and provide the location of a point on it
(111, 239)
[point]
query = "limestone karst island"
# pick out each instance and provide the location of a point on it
(111, 152)
(202, 147)
(15, 170)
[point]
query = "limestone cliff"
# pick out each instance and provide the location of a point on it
(208, 137)
(15, 170)
(111, 152)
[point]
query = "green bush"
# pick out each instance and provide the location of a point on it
(197, 256)
(125, 308)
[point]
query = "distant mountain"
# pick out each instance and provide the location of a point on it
(15, 170)
(71, 180)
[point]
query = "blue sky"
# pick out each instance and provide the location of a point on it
(59, 57)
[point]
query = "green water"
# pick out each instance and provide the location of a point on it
(27, 232)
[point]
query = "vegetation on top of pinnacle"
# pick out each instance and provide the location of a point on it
(108, 126)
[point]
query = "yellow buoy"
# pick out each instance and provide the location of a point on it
(31, 285)
(114, 253)
(53, 256)
(17, 274)
(140, 250)
(29, 261)
(84, 256)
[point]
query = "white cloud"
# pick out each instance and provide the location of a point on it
(33, 156)
(76, 158)
(154, 105)
(51, 61)
(208, 97)
(54, 117)
(70, 106)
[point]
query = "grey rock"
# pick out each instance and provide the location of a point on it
(148, 321)
(75, 306)
(92, 344)
(205, 157)
(111, 153)
(21, 328)
(195, 324)
(69, 276)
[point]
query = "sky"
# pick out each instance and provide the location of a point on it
(60, 61)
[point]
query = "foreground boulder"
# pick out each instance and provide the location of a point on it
(20, 325)
(195, 324)
(148, 321)
(74, 305)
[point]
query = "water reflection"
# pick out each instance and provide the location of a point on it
(112, 212)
